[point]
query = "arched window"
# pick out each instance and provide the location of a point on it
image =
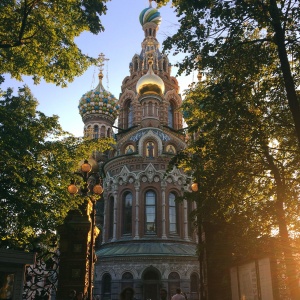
(106, 287)
(102, 131)
(127, 280)
(150, 109)
(150, 212)
(111, 217)
(171, 115)
(151, 279)
(96, 132)
(173, 224)
(136, 64)
(128, 114)
(194, 288)
(174, 282)
(127, 213)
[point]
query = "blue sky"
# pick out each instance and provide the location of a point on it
(119, 42)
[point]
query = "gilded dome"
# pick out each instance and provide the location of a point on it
(98, 101)
(150, 83)
(150, 14)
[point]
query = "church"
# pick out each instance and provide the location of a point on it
(147, 239)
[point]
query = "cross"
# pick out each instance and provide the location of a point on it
(101, 59)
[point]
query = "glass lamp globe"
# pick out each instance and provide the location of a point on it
(97, 189)
(194, 187)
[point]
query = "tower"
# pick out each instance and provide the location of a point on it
(98, 109)
(148, 242)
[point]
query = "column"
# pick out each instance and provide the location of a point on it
(137, 210)
(105, 217)
(194, 206)
(163, 208)
(185, 220)
(115, 215)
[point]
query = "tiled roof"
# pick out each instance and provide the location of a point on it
(147, 249)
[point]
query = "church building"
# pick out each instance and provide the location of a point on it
(147, 239)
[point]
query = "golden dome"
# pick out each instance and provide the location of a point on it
(150, 83)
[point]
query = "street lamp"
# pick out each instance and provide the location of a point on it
(88, 191)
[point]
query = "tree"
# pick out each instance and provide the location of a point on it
(37, 162)
(249, 110)
(210, 31)
(248, 164)
(37, 37)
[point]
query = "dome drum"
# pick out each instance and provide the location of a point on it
(94, 116)
(150, 96)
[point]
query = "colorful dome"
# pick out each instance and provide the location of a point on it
(150, 83)
(150, 14)
(98, 101)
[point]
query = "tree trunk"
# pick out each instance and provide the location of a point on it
(285, 66)
(285, 244)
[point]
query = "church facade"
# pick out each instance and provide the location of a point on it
(147, 239)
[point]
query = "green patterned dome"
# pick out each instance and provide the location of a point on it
(150, 14)
(98, 102)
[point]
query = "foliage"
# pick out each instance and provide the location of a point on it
(37, 37)
(38, 159)
(246, 37)
(247, 165)
(245, 119)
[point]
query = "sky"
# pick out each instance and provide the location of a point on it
(120, 41)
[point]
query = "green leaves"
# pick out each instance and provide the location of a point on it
(37, 38)
(37, 162)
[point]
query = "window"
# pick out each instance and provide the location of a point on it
(127, 213)
(96, 132)
(106, 286)
(150, 212)
(194, 290)
(172, 214)
(111, 218)
(128, 114)
(102, 131)
(174, 282)
(127, 280)
(171, 115)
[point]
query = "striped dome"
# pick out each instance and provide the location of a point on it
(150, 14)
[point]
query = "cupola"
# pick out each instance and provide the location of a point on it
(150, 83)
(98, 102)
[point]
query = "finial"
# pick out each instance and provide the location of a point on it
(101, 59)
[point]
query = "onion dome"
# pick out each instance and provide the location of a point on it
(98, 102)
(150, 14)
(150, 83)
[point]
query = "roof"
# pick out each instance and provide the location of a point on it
(147, 249)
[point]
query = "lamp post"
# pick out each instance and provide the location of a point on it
(91, 192)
